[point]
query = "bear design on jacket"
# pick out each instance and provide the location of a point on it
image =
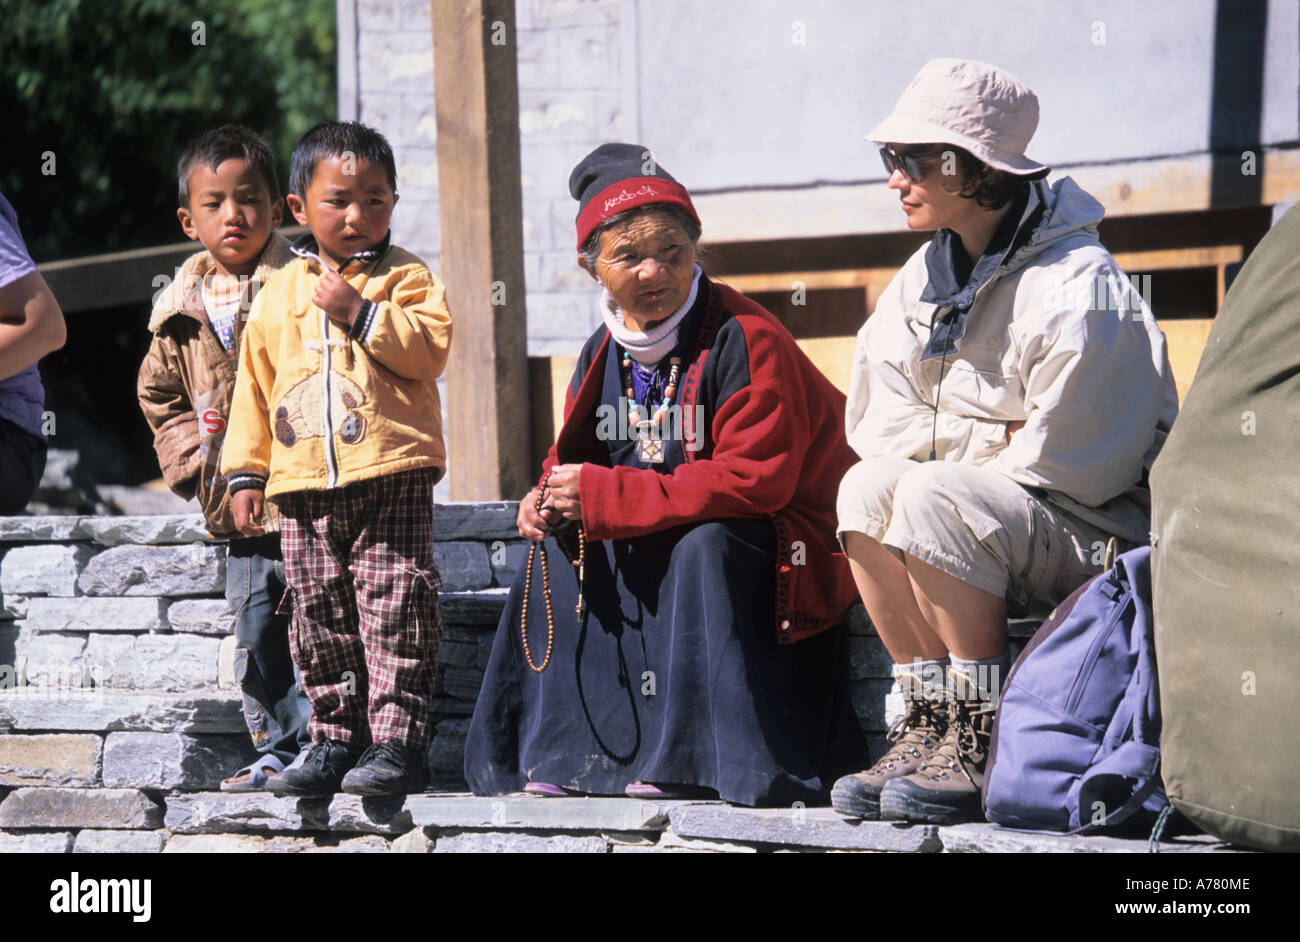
(299, 414)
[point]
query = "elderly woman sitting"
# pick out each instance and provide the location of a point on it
(681, 633)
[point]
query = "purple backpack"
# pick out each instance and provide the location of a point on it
(1076, 739)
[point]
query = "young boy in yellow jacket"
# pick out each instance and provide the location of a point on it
(230, 202)
(337, 418)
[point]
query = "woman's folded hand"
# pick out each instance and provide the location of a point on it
(562, 493)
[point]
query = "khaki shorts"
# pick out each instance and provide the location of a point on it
(974, 524)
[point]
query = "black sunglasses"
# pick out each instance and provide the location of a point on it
(909, 164)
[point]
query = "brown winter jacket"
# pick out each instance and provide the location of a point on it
(187, 381)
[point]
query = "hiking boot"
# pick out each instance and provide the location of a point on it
(320, 773)
(915, 736)
(946, 787)
(388, 768)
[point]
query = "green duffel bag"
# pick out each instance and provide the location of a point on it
(1226, 564)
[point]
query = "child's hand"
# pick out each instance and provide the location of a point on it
(247, 508)
(337, 298)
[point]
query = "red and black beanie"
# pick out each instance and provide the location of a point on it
(614, 178)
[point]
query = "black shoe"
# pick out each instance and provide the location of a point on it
(320, 774)
(388, 768)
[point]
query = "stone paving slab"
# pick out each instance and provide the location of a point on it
(472, 608)
(66, 759)
(85, 614)
(41, 843)
(670, 842)
(79, 808)
(463, 565)
(989, 838)
(201, 616)
(219, 812)
(97, 710)
(44, 569)
(163, 662)
(443, 705)
(107, 530)
(466, 520)
(537, 812)
(186, 570)
(154, 529)
(172, 760)
(412, 842)
(446, 756)
(798, 827)
(46, 528)
(13, 606)
(460, 520)
(491, 842)
(458, 822)
(119, 842)
(254, 844)
(461, 683)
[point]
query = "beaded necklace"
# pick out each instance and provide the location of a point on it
(649, 446)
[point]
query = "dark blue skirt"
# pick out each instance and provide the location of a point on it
(676, 677)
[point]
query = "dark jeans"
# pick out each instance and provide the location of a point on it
(22, 462)
(275, 707)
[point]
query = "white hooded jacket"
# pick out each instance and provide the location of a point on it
(1058, 339)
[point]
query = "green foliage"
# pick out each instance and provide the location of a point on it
(113, 89)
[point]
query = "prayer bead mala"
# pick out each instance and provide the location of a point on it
(546, 589)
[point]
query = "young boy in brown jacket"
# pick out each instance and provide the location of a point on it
(230, 202)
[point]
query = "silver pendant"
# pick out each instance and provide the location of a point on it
(650, 450)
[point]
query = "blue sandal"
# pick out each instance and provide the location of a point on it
(252, 777)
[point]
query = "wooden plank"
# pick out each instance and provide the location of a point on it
(116, 280)
(811, 280)
(1124, 188)
(1185, 338)
(477, 102)
(874, 280)
(1165, 259)
(549, 379)
(834, 357)
(1186, 342)
(121, 279)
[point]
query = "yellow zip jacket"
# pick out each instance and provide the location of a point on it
(320, 405)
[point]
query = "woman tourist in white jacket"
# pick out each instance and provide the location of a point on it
(1008, 396)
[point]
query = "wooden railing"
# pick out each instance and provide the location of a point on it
(118, 279)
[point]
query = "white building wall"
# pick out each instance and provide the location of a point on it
(760, 106)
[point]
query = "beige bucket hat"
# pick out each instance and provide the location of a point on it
(972, 104)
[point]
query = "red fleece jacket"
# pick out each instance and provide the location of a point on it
(775, 448)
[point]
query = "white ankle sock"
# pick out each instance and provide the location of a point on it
(933, 674)
(987, 673)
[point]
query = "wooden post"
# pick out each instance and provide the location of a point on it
(477, 99)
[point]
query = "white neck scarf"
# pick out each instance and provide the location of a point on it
(647, 347)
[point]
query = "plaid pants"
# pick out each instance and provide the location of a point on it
(365, 623)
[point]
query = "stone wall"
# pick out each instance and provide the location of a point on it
(760, 108)
(117, 687)
(117, 652)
